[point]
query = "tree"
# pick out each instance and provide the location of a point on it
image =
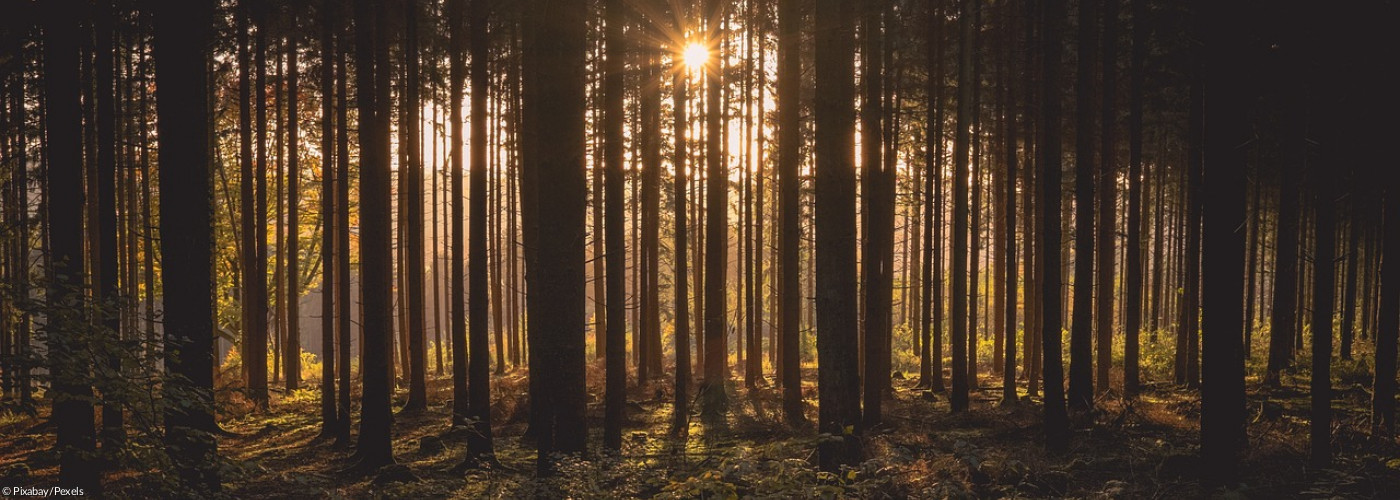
(962, 139)
(479, 442)
(66, 329)
(374, 448)
(104, 269)
(182, 32)
(680, 414)
(1132, 310)
(837, 376)
(789, 209)
(331, 245)
(1081, 374)
(1383, 395)
(878, 252)
(714, 399)
(1323, 289)
(1108, 201)
(412, 202)
(291, 349)
(342, 213)
(555, 82)
(616, 254)
(1008, 250)
(458, 293)
(1222, 327)
(1052, 47)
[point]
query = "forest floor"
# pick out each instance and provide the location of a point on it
(1143, 449)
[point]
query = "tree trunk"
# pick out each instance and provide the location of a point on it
(714, 399)
(329, 243)
(458, 293)
(374, 448)
(479, 443)
(790, 210)
(961, 142)
(878, 252)
(291, 349)
(1052, 46)
(72, 382)
(555, 40)
(615, 401)
(837, 376)
(181, 43)
(1133, 275)
(1107, 199)
(1226, 77)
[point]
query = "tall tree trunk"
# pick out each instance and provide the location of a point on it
(1388, 323)
(837, 376)
(413, 199)
(714, 399)
(680, 414)
(555, 42)
(291, 349)
(1081, 374)
(1226, 77)
(961, 142)
(181, 43)
(1052, 48)
(342, 216)
(331, 247)
(72, 378)
(1107, 199)
(616, 253)
(374, 447)
(1133, 275)
(877, 254)
(105, 272)
(479, 442)
(458, 296)
(1324, 293)
(790, 210)
(1349, 285)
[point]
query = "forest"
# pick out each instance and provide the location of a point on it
(699, 249)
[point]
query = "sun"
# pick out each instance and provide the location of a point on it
(695, 55)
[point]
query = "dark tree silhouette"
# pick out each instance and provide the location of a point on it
(789, 210)
(479, 442)
(66, 327)
(1049, 166)
(182, 33)
(374, 448)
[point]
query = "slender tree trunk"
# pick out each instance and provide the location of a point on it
(714, 399)
(1324, 293)
(790, 210)
(1226, 76)
(479, 442)
(1107, 199)
(837, 376)
(182, 33)
(105, 272)
(1133, 276)
(961, 143)
(1388, 323)
(291, 349)
(71, 385)
(458, 296)
(877, 254)
(680, 415)
(330, 246)
(1052, 47)
(374, 447)
(616, 252)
